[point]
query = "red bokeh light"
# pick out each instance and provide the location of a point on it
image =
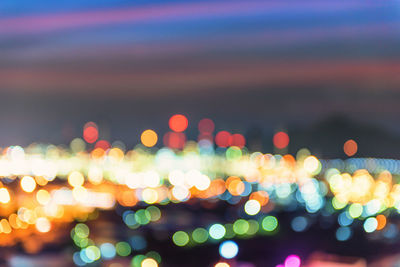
(206, 126)
(281, 140)
(90, 132)
(178, 123)
(350, 147)
(174, 140)
(223, 139)
(103, 144)
(237, 140)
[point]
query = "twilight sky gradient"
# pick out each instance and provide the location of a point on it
(131, 64)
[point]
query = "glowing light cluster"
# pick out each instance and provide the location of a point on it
(45, 187)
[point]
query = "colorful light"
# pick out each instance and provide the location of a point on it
(4, 196)
(90, 132)
(149, 138)
(28, 184)
(108, 250)
(43, 225)
(228, 249)
(370, 225)
(200, 235)
(281, 140)
(180, 238)
(206, 126)
(123, 249)
(140, 180)
(178, 123)
(252, 207)
(217, 231)
(350, 147)
(269, 223)
(222, 139)
(76, 179)
(292, 261)
(149, 262)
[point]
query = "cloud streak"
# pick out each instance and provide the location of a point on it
(33, 24)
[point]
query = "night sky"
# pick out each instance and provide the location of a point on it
(130, 65)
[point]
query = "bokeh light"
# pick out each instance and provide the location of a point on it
(269, 223)
(292, 261)
(350, 147)
(252, 207)
(222, 139)
(149, 262)
(178, 123)
(228, 249)
(90, 132)
(206, 126)
(281, 140)
(149, 138)
(180, 238)
(217, 231)
(28, 184)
